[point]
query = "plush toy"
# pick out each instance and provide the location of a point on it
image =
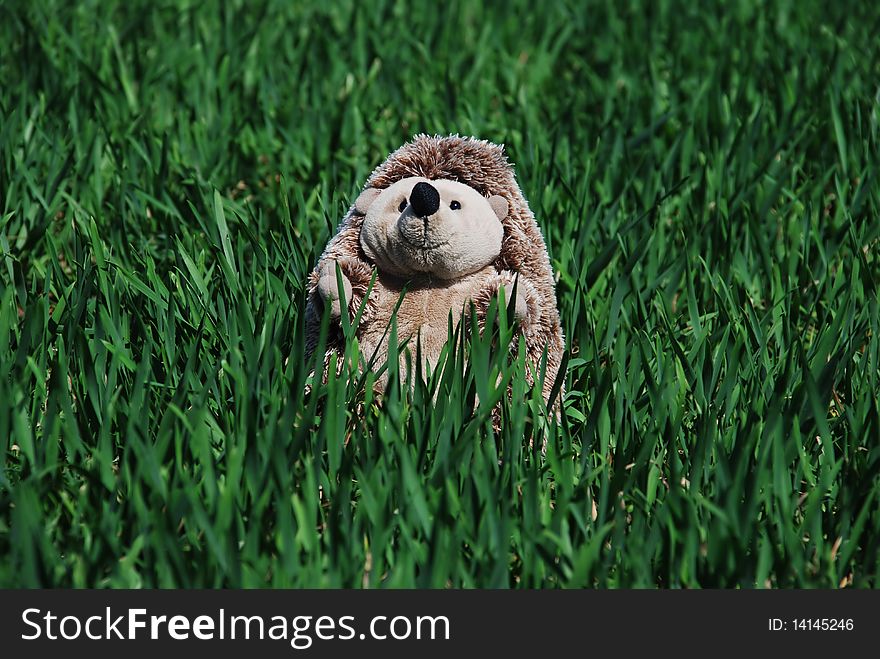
(444, 217)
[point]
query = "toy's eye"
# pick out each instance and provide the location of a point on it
(402, 206)
(454, 205)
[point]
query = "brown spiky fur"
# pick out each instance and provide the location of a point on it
(483, 166)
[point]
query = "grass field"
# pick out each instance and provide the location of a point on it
(705, 175)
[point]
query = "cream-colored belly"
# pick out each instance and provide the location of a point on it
(422, 319)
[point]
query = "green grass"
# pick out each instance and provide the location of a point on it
(706, 176)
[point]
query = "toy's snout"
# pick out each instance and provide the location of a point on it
(436, 226)
(424, 199)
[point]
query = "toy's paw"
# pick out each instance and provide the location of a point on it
(328, 289)
(521, 308)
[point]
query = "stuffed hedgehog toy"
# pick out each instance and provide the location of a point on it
(444, 217)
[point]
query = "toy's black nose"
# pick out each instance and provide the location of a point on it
(424, 199)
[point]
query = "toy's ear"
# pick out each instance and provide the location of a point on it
(365, 199)
(499, 205)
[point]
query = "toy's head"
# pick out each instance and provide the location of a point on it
(439, 227)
